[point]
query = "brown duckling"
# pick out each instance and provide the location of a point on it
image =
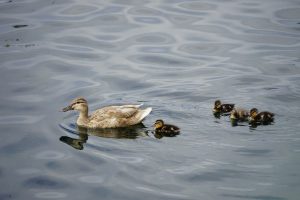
(222, 108)
(239, 114)
(165, 129)
(264, 117)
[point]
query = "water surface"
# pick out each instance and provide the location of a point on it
(177, 56)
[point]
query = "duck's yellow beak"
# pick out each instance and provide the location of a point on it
(67, 108)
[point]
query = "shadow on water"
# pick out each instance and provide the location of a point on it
(131, 132)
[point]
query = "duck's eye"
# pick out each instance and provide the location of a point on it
(78, 102)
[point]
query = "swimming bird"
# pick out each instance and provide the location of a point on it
(222, 108)
(166, 129)
(239, 114)
(107, 117)
(264, 117)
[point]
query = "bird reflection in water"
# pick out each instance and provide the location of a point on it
(218, 115)
(254, 125)
(73, 142)
(131, 132)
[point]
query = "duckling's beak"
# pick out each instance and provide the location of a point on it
(67, 108)
(155, 126)
(232, 117)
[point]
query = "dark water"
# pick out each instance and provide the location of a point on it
(177, 56)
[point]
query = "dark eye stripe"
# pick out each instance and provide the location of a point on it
(78, 102)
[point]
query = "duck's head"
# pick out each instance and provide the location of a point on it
(217, 106)
(158, 123)
(79, 104)
(253, 114)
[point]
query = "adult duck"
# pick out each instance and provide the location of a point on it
(107, 117)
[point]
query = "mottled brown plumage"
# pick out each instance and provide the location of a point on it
(107, 117)
(260, 117)
(166, 129)
(239, 114)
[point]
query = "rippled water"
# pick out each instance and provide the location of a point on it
(177, 56)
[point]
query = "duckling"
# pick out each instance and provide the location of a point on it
(239, 114)
(264, 117)
(165, 129)
(222, 108)
(107, 117)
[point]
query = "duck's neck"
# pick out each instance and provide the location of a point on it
(83, 117)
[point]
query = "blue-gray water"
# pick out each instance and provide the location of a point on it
(177, 56)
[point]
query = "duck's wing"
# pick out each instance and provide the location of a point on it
(124, 111)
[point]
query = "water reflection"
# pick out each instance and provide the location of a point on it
(131, 132)
(73, 142)
(160, 135)
(20, 26)
(235, 122)
(254, 125)
(179, 56)
(218, 115)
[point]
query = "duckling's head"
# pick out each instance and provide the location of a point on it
(253, 114)
(234, 115)
(79, 104)
(217, 106)
(158, 124)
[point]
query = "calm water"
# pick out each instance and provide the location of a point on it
(177, 56)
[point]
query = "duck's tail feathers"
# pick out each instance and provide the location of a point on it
(143, 113)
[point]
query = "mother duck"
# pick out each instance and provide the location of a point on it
(107, 117)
